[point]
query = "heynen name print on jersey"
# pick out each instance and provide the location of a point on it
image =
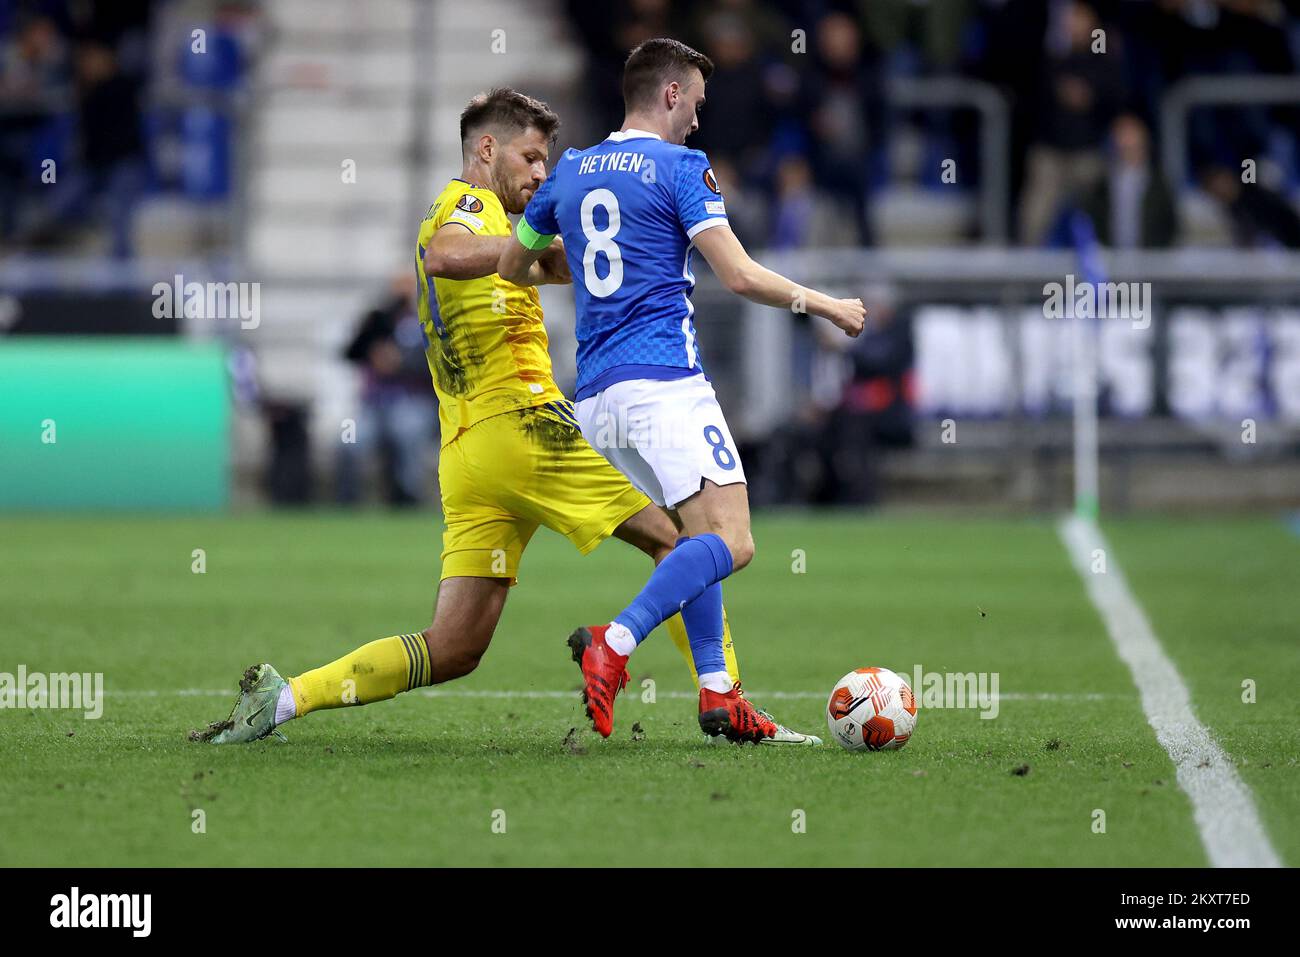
(619, 162)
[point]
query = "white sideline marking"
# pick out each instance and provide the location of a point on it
(526, 693)
(1225, 813)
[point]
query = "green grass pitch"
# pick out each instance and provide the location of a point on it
(421, 780)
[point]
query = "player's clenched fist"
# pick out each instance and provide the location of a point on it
(554, 264)
(849, 315)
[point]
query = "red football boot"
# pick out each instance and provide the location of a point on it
(732, 716)
(604, 675)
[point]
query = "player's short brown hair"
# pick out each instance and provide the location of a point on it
(656, 62)
(505, 110)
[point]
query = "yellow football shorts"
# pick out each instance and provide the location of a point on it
(510, 473)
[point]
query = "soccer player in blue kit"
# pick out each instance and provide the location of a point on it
(631, 210)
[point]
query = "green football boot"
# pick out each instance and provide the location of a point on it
(253, 716)
(785, 736)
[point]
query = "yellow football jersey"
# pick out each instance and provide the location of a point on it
(487, 345)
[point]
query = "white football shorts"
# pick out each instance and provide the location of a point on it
(666, 436)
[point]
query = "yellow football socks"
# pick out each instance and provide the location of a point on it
(374, 672)
(677, 629)
(385, 668)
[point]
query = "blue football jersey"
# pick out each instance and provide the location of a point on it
(628, 210)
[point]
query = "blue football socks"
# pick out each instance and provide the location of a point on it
(691, 569)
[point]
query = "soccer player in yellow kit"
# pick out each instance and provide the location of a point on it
(513, 457)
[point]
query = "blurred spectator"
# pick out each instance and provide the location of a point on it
(610, 31)
(934, 26)
(33, 67)
(1080, 96)
(1010, 54)
(802, 216)
(765, 22)
(644, 20)
(838, 97)
(858, 401)
(1132, 206)
(35, 86)
(112, 146)
(398, 416)
(746, 206)
(112, 173)
(735, 122)
(123, 26)
(1258, 214)
(875, 408)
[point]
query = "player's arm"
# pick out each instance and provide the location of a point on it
(535, 239)
(745, 277)
(456, 252)
(517, 261)
(528, 250)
